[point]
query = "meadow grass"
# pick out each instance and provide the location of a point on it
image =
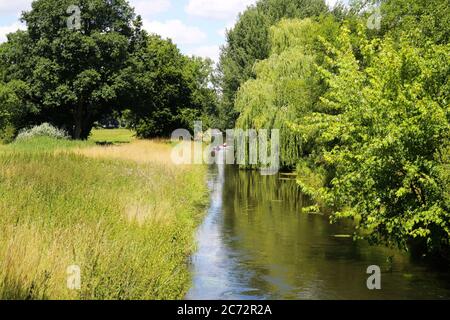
(125, 214)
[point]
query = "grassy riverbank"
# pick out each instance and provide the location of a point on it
(125, 214)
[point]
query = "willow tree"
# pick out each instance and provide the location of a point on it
(248, 42)
(287, 84)
(70, 58)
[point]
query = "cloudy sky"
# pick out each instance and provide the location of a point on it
(196, 26)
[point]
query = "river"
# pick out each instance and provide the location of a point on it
(256, 244)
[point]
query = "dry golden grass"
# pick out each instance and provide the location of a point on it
(145, 213)
(33, 264)
(140, 151)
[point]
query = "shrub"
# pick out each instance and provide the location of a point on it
(7, 134)
(43, 130)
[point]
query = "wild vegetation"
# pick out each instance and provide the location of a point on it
(125, 214)
(114, 206)
(364, 117)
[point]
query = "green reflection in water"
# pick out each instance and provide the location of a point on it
(256, 243)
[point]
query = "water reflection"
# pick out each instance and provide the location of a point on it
(255, 244)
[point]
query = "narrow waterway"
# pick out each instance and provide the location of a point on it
(255, 244)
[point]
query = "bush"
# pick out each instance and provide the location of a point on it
(43, 130)
(7, 134)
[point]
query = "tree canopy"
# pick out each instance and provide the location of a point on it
(170, 90)
(248, 42)
(71, 75)
(74, 77)
(364, 117)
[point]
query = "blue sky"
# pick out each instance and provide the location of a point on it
(196, 26)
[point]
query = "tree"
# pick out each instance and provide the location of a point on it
(420, 20)
(11, 109)
(248, 42)
(72, 74)
(170, 90)
(287, 85)
(365, 119)
(386, 140)
(204, 92)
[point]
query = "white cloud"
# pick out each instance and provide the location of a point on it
(147, 8)
(217, 9)
(143, 7)
(14, 7)
(176, 30)
(212, 52)
(4, 30)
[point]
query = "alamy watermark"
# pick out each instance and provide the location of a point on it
(374, 281)
(239, 147)
(74, 21)
(73, 277)
(375, 18)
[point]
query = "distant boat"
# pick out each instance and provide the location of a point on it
(221, 147)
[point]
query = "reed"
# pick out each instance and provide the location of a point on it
(125, 214)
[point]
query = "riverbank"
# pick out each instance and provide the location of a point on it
(124, 214)
(256, 243)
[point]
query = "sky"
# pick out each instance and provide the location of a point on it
(197, 26)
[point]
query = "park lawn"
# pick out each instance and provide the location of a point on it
(124, 214)
(112, 135)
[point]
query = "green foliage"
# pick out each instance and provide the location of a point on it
(11, 108)
(248, 42)
(170, 90)
(71, 75)
(387, 139)
(75, 78)
(419, 20)
(286, 85)
(364, 116)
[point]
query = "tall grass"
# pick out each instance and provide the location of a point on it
(127, 220)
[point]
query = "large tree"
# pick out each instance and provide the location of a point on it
(248, 42)
(170, 90)
(384, 132)
(421, 20)
(287, 85)
(364, 116)
(71, 72)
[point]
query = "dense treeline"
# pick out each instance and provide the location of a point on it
(75, 77)
(248, 42)
(364, 115)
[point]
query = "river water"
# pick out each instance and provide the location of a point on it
(256, 244)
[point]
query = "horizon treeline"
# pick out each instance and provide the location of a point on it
(108, 67)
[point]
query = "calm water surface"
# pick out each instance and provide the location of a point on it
(255, 244)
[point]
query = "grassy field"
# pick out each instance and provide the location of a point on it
(112, 136)
(124, 214)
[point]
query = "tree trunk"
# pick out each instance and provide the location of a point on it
(83, 122)
(78, 121)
